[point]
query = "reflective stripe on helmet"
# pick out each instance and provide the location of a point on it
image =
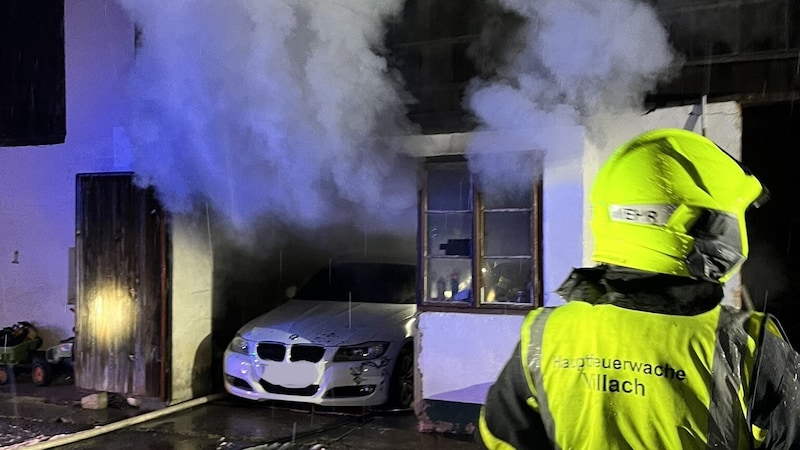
(645, 214)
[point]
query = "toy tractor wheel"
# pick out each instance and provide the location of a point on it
(6, 374)
(41, 372)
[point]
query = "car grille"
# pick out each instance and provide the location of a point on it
(311, 353)
(277, 352)
(275, 389)
(271, 351)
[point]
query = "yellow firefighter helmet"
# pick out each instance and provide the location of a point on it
(671, 201)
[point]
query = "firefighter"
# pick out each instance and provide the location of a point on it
(643, 355)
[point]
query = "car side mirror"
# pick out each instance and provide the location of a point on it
(291, 291)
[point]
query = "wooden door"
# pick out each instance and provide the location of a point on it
(122, 287)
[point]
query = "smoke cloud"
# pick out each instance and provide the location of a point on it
(270, 111)
(572, 60)
(283, 111)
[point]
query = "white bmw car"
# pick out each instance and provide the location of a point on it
(345, 339)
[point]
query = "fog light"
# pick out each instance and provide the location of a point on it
(238, 383)
(350, 391)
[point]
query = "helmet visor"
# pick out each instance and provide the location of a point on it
(717, 245)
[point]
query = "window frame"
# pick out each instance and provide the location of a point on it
(476, 305)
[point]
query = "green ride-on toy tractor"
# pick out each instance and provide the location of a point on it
(19, 350)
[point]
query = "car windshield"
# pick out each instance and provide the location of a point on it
(362, 282)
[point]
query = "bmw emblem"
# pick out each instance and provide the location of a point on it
(294, 336)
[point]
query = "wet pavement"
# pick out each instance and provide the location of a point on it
(35, 418)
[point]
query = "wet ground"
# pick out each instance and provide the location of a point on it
(35, 418)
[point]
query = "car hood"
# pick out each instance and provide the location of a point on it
(330, 324)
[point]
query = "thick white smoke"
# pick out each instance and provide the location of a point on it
(574, 59)
(282, 109)
(274, 110)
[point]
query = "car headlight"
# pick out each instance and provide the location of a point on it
(239, 345)
(65, 347)
(361, 352)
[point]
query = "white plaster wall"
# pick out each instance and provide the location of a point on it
(37, 183)
(37, 200)
(563, 217)
(460, 355)
(192, 308)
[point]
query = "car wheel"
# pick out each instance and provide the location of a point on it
(6, 374)
(402, 394)
(41, 372)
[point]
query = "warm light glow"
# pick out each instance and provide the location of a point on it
(112, 315)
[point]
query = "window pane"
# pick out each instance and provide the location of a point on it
(505, 199)
(507, 233)
(449, 189)
(449, 280)
(506, 281)
(449, 234)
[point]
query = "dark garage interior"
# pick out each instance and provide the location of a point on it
(770, 144)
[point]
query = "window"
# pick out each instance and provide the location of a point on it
(468, 232)
(32, 83)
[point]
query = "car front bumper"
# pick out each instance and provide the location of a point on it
(326, 383)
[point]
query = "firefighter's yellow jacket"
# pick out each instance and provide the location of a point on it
(643, 361)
